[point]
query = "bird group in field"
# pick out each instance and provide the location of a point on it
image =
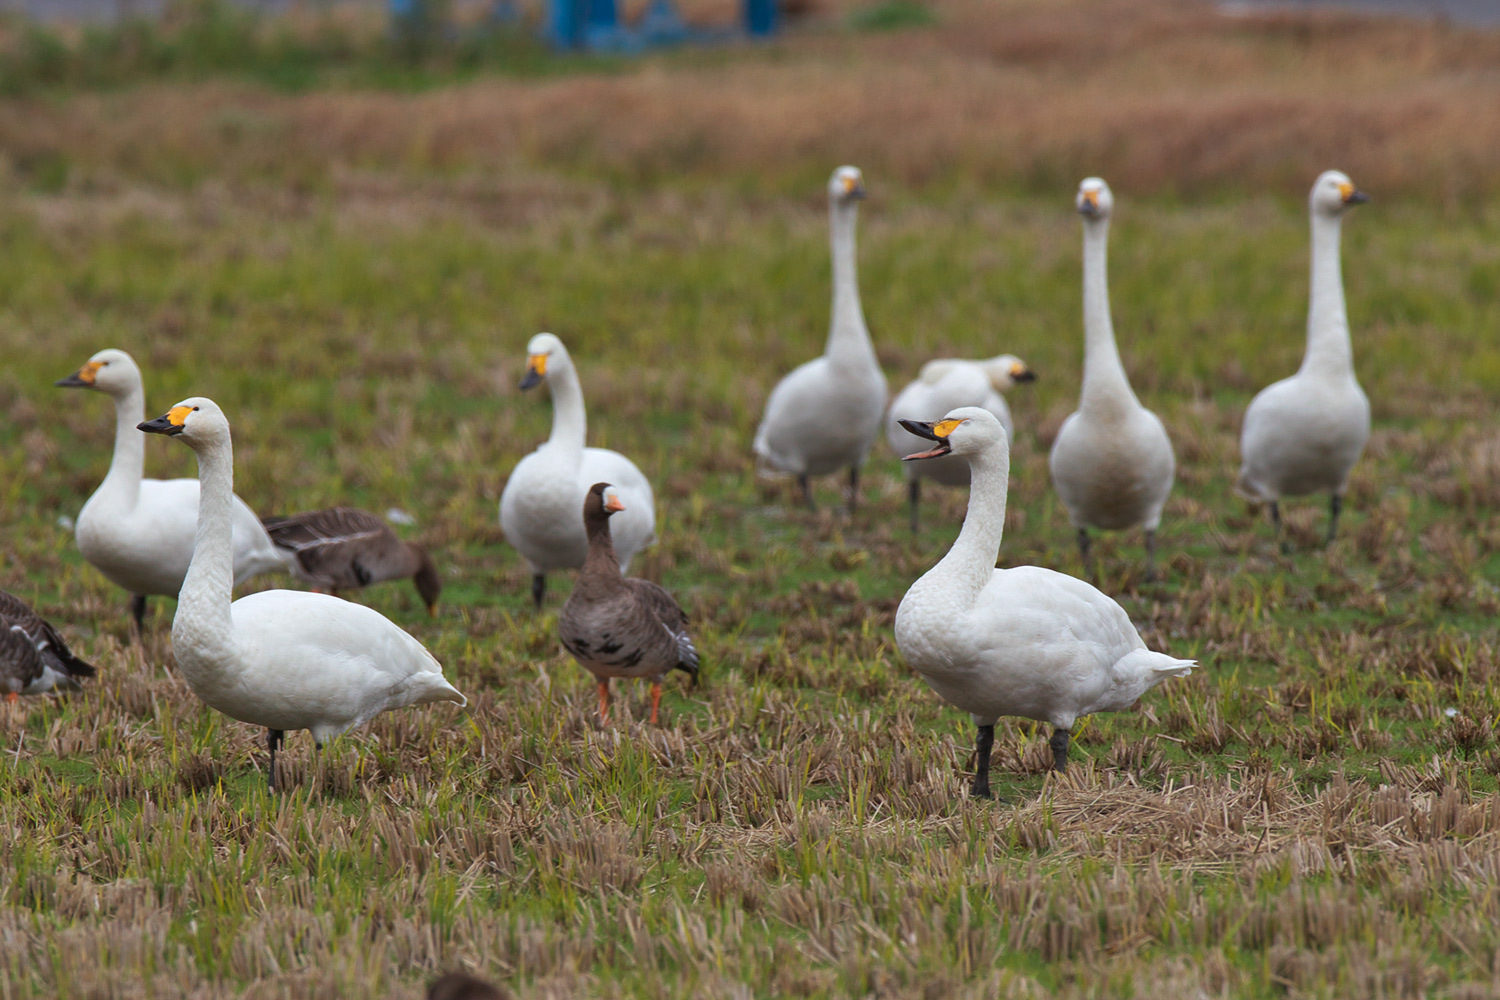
(1025, 641)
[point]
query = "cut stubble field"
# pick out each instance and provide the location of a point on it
(1314, 812)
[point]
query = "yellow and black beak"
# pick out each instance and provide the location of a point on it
(854, 189)
(933, 432)
(1088, 203)
(1351, 195)
(170, 423)
(83, 378)
(536, 370)
(1020, 373)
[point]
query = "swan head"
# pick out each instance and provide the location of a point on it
(967, 430)
(1094, 201)
(542, 351)
(601, 502)
(111, 370)
(197, 420)
(846, 186)
(1333, 192)
(1006, 371)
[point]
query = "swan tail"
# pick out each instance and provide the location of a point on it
(1149, 669)
(429, 687)
(1246, 488)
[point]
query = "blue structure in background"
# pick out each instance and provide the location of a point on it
(595, 25)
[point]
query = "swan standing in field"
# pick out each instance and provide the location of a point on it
(345, 548)
(844, 391)
(1303, 434)
(1027, 641)
(619, 626)
(942, 385)
(541, 508)
(1112, 462)
(33, 656)
(139, 532)
(282, 659)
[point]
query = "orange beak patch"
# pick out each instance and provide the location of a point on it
(945, 427)
(537, 363)
(612, 502)
(177, 415)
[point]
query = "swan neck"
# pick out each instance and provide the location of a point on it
(969, 566)
(1104, 380)
(123, 481)
(203, 622)
(848, 339)
(569, 422)
(1328, 349)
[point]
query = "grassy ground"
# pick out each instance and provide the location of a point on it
(354, 275)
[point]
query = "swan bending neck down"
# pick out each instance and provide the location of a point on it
(281, 659)
(1027, 641)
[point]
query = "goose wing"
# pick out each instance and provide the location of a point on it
(340, 548)
(669, 613)
(49, 645)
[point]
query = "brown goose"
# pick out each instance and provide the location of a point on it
(457, 986)
(344, 548)
(33, 656)
(618, 626)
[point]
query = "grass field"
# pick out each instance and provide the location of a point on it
(353, 273)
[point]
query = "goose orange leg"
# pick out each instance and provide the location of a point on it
(655, 700)
(603, 701)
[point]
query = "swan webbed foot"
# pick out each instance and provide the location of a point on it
(982, 747)
(853, 488)
(1335, 506)
(1283, 544)
(274, 739)
(138, 612)
(1085, 548)
(807, 497)
(1150, 555)
(1059, 745)
(914, 497)
(538, 588)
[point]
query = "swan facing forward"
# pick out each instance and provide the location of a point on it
(844, 391)
(139, 532)
(1027, 641)
(1303, 434)
(541, 507)
(1112, 462)
(942, 385)
(282, 659)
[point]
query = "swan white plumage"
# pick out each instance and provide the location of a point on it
(1112, 462)
(1303, 434)
(541, 507)
(844, 391)
(946, 384)
(1027, 641)
(281, 659)
(139, 532)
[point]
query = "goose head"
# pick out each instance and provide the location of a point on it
(601, 502)
(846, 186)
(198, 421)
(968, 430)
(425, 578)
(1006, 371)
(1094, 199)
(1333, 192)
(111, 370)
(544, 353)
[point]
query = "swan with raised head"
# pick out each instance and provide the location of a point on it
(541, 507)
(844, 391)
(619, 626)
(1026, 641)
(281, 659)
(945, 384)
(139, 532)
(345, 548)
(33, 656)
(1112, 462)
(1303, 434)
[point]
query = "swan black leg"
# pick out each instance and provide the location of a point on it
(1286, 546)
(138, 611)
(1059, 745)
(538, 588)
(1335, 505)
(807, 497)
(1150, 555)
(982, 748)
(853, 488)
(274, 739)
(914, 497)
(1085, 545)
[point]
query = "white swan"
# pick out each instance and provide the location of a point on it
(1303, 434)
(842, 393)
(1112, 462)
(139, 532)
(282, 659)
(541, 507)
(1026, 641)
(942, 385)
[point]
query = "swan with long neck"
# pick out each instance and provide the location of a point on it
(281, 659)
(844, 391)
(541, 507)
(1303, 434)
(1027, 641)
(139, 532)
(1112, 462)
(945, 384)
